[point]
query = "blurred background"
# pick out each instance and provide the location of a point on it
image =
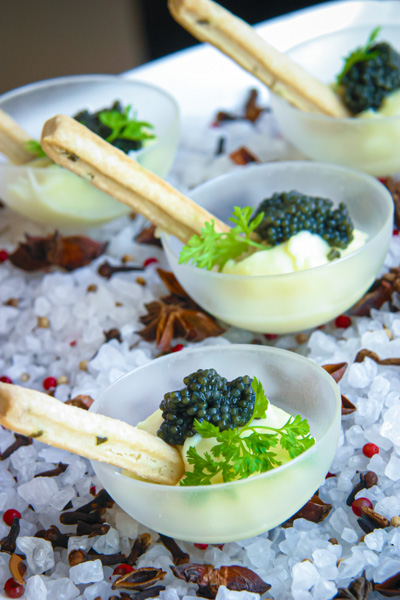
(50, 38)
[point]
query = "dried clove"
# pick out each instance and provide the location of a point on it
(178, 556)
(91, 530)
(8, 543)
(140, 546)
(379, 521)
(140, 579)
(367, 480)
(314, 510)
(252, 110)
(243, 156)
(147, 236)
(20, 440)
(60, 468)
(75, 516)
(101, 500)
(358, 589)
(209, 579)
(151, 592)
(390, 587)
(54, 535)
(107, 271)
(76, 557)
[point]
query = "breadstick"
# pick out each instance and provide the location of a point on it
(209, 22)
(76, 148)
(88, 434)
(13, 140)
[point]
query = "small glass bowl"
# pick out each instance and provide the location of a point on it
(292, 301)
(37, 192)
(368, 144)
(229, 511)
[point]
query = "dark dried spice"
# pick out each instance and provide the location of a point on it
(179, 557)
(113, 334)
(91, 530)
(380, 292)
(176, 316)
(379, 521)
(252, 110)
(367, 480)
(54, 536)
(81, 401)
(140, 546)
(17, 568)
(358, 589)
(60, 468)
(72, 517)
(362, 354)
(336, 370)
(76, 557)
(315, 510)
(8, 543)
(209, 579)
(147, 236)
(394, 188)
(243, 156)
(347, 406)
(390, 587)
(102, 500)
(152, 592)
(70, 252)
(107, 271)
(20, 440)
(140, 579)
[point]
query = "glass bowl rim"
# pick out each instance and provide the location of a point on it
(223, 348)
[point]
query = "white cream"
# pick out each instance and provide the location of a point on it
(302, 251)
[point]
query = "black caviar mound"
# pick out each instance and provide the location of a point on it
(206, 397)
(288, 213)
(368, 82)
(92, 121)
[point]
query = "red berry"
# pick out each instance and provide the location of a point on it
(270, 336)
(93, 490)
(329, 474)
(49, 383)
(370, 449)
(201, 546)
(150, 261)
(343, 321)
(13, 589)
(10, 515)
(122, 569)
(396, 232)
(73, 343)
(177, 348)
(357, 504)
(383, 180)
(5, 379)
(3, 256)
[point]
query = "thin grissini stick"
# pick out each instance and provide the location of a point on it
(211, 23)
(76, 148)
(13, 140)
(88, 434)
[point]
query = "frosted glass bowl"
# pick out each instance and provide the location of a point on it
(240, 509)
(371, 145)
(293, 301)
(36, 192)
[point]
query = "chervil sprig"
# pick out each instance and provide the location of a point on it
(237, 456)
(212, 248)
(35, 148)
(125, 127)
(360, 54)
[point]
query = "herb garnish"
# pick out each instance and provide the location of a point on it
(212, 248)
(237, 457)
(360, 54)
(35, 148)
(124, 126)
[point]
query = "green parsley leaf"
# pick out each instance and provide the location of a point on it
(125, 126)
(238, 456)
(360, 54)
(35, 148)
(212, 248)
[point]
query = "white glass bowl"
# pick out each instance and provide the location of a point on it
(42, 193)
(240, 509)
(293, 301)
(371, 145)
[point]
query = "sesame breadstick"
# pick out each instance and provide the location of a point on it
(210, 22)
(76, 148)
(13, 140)
(89, 434)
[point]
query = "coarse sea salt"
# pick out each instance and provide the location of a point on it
(304, 562)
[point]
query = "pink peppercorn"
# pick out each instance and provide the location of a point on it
(177, 348)
(10, 515)
(343, 321)
(150, 261)
(3, 255)
(370, 449)
(49, 383)
(5, 379)
(357, 504)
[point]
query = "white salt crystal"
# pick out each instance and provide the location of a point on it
(101, 589)
(324, 590)
(225, 594)
(169, 594)
(38, 491)
(387, 568)
(388, 506)
(75, 471)
(299, 594)
(305, 575)
(61, 589)
(377, 464)
(39, 553)
(82, 542)
(41, 306)
(359, 375)
(393, 466)
(339, 520)
(355, 436)
(325, 561)
(376, 539)
(108, 543)
(87, 572)
(35, 588)
(390, 428)
(349, 535)
(58, 501)
(126, 525)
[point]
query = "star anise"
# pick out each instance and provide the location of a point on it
(176, 315)
(394, 188)
(337, 371)
(70, 252)
(252, 110)
(381, 291)
(358, 589)
(390, 587)
(315, 510)
(147, 236)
